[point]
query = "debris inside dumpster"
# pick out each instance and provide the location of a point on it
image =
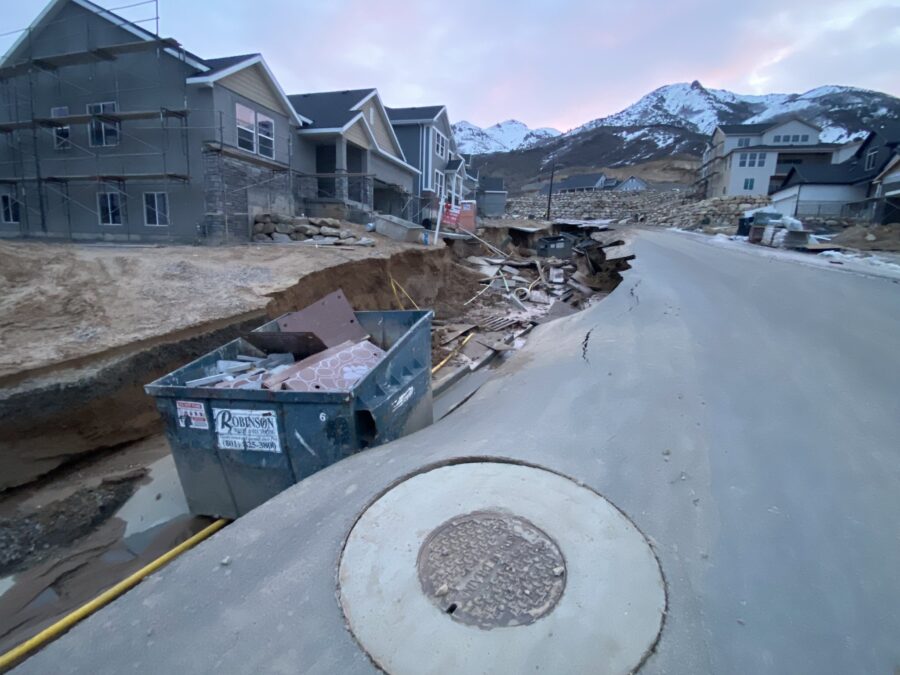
(321, 348)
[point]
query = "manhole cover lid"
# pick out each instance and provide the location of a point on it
(491, 569)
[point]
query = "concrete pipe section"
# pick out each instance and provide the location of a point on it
(496, 567)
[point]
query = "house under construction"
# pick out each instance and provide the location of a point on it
(109, 131)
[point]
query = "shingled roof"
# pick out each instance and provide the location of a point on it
(329, 109)
(426, 112)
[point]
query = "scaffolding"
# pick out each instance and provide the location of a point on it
(37, 168)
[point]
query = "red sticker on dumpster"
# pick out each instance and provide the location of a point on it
(191, 415)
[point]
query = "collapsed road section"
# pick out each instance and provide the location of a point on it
(93, 505)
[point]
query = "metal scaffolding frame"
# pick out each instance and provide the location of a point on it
(23, 135)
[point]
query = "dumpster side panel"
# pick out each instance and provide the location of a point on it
(199, 469)
(318, 435)
(249, 441)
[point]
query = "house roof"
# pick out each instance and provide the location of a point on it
(821, 174)
(745, 128)
(763, 126)
(223, 63)
(329, 109)
(490, 184)
(54, 6)
(415, 114)
(453, 165)
(584, 180)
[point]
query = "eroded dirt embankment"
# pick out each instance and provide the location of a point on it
(51, 415)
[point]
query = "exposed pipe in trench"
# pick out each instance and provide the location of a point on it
(53, 631)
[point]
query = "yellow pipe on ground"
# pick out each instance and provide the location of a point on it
(51, 632)
(452, 353)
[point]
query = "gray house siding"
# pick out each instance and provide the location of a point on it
(391, 173)
(410, 137)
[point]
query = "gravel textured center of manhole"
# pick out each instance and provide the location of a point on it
(491, 569)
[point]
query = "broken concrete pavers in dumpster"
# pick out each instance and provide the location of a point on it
(293, 397)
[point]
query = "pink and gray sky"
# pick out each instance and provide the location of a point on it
(552, 63)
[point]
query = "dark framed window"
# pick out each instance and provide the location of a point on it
(109, 208)
(9, 206)
(156, 209)
(102, 133)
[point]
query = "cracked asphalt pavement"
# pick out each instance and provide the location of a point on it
(742, 411)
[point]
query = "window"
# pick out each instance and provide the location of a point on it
(265, 130)
(870, 159)
(440, 144)
(804, 138)
(777, 138)
(10, 208)
(751, 161)
(156, 208)
(102, 134)
(761, 159)
(109, 207)
(372, 115)
(246, 127)
(795, 138)
(743, 142)
(61, 134)
(439, 183)
(748, 183)
(742, 159)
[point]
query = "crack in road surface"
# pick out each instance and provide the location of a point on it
(584, 345)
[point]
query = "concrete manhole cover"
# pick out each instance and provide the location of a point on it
(493, 567)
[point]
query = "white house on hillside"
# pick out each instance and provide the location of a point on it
(749, 159)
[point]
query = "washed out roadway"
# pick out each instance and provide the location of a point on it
(743, 411)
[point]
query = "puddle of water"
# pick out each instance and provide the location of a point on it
(158, 501)
(6, 583)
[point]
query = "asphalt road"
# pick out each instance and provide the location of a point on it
(743, 411)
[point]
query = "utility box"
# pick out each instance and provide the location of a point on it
(236, 448)
(559, 246)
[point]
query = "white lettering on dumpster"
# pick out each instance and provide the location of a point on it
(191, 415)
(403, 399)
(246, 430)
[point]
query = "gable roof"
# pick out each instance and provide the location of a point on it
(584, 180)
(332, 110)
(216, 66)
(744, 128)
(453, 165)
(220, 68)
(763, 126)
(414, 115)
(56, 5)
(820, 174)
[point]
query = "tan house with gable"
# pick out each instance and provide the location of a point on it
(358, 161)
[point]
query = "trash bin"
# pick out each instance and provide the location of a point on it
(236, 448)
(558, 246)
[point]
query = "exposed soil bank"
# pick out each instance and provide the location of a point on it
(98, 401)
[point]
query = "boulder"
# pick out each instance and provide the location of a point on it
(258, 227)
(324, 241)
(284, 228)
(365, 241)
(345, 234)
(300, 220)
(280, 238)
(298, 236)
(262, 218)
(308, 230)
(317, 221)
(329, 231)
(347, 241)
(259, 236)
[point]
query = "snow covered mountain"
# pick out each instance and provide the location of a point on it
(501, 137)
(842, 112)
(672, 124)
